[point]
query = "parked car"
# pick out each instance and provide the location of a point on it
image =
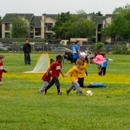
(60, 49)
(2, 48)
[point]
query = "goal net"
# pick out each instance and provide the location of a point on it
(42, 65)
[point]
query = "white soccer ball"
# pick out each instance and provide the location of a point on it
(89, 93)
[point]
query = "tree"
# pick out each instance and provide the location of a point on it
(59, 28)
(0, 27)
(81, 27)
(96, 14)
(20, 28)
(73, 25)
(120, 10)
(120, 26)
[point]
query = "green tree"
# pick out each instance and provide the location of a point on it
(81, 27)
(59, 28)
(96, 14)
(20, 28)
(121, 10)
(73, 25)
(108, 32)
(120, 26)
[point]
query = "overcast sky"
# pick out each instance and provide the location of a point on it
(39, 7)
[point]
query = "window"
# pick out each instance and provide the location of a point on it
(31, 28)
(48, 26)
(31, 35)
(7, 35)
(48, 36)
(37, 31)
(7, 26)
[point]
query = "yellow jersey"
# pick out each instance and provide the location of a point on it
(74, 71)
(82, 70)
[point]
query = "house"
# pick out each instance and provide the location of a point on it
(40, 26)
(106, 21)
(99, 25)
(7, 22)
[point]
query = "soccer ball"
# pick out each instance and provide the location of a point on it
(89, 93)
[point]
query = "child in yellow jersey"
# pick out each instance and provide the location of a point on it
(83, 72)
(74, 71)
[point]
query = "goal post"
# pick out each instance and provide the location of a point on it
(42, 64)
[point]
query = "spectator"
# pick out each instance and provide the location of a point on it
(89, 56)
(68, 56)
(76, 50)
(27, 51)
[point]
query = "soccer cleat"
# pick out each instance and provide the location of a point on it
(60, 93)
(40, 91)
(80, 93)
(44, 91)
(67, 92)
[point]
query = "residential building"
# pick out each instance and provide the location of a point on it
(106, 21)
(40, 26)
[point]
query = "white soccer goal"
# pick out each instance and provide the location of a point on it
(42, 65)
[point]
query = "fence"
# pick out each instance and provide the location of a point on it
(13, 47)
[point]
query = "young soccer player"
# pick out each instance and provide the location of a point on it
(46, 79)
(104, 65)
(55, 68)
(74, 71)
(99, 60)
(1, 68)
(83, 72)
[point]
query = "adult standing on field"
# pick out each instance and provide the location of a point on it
(27, 51)
(76, 50)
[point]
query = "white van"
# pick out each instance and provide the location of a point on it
(73, 40)
(64, 42)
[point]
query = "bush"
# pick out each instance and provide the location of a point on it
(99, 46)
(121, 50)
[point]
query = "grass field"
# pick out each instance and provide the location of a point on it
(23, 108)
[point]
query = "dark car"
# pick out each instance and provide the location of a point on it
(2, 48)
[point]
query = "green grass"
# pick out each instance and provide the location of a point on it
(22, 108)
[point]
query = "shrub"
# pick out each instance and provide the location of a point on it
(99, 46)
(121, 50)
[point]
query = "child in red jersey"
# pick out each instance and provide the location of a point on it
(56, 70)
(46, 78)
(1, 68)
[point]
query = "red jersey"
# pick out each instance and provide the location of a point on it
(56, 69)
(46, 77)
(1, 70)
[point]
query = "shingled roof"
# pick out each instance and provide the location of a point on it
(7, 18)
(37, 21)
(98, 19)
(53, 16)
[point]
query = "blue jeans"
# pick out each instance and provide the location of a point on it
(27, 58)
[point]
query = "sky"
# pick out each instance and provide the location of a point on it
(39, 7)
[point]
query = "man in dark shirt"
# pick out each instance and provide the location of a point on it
(27, 50)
